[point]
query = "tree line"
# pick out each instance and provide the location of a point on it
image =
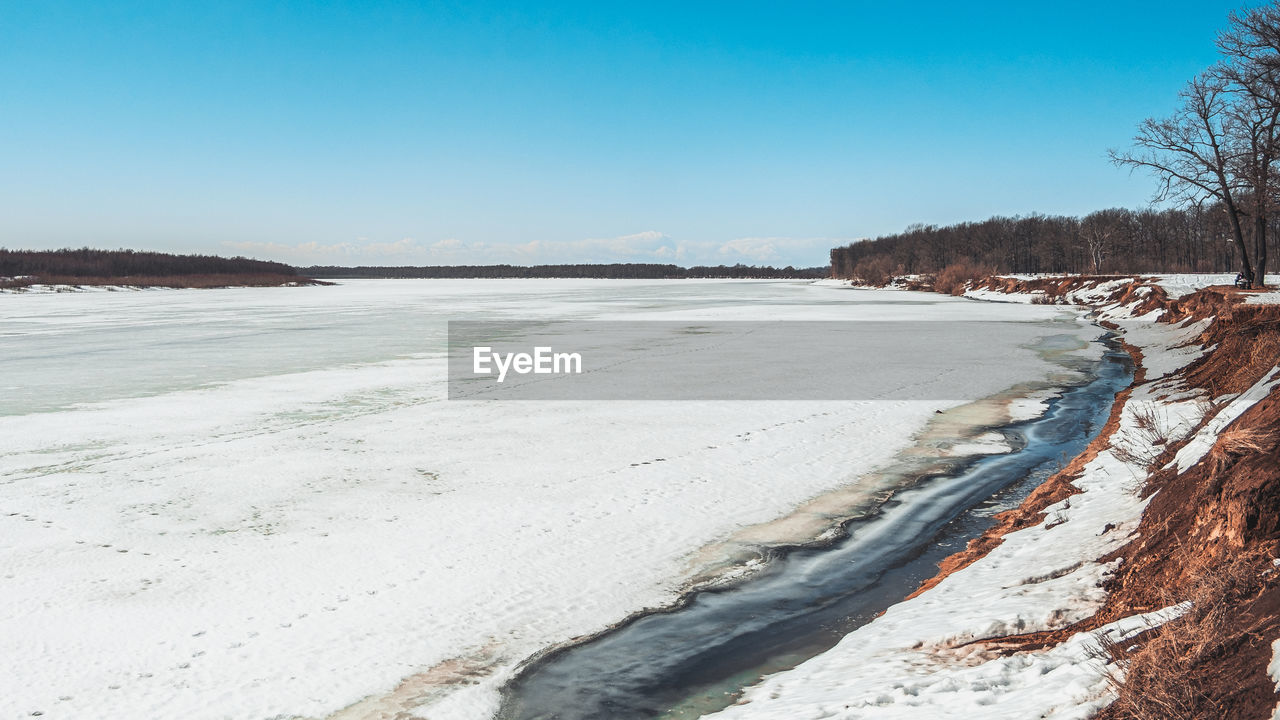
(86, 263)
(630, 271)
(1195, 239)
(129, 267)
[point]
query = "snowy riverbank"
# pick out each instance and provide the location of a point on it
(952, 650)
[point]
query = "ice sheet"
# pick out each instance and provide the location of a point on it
(254, 503)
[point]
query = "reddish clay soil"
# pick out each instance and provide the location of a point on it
(1208, 535)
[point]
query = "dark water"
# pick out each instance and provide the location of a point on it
(698, 658)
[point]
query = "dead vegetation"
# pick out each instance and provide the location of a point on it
(1159, 675)
(954, 279)
(877, 271)
(1149, 439)
(1234, 444)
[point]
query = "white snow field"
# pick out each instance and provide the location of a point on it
(257, 503)
(1178, 285)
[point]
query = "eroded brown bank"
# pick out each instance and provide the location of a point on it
(1209, 533)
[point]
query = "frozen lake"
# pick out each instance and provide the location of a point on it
(258, 503)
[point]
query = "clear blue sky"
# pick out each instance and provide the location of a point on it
(434, 133)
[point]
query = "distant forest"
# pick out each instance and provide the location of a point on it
(626, 271)
(123, 263)
(1198, 239)
(128, 267)
(19, 268)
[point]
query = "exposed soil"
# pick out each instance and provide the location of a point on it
(1207, 536)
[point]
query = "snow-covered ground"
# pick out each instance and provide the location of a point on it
(1273, 670)
(1177, 285)
(257, 503)
(1271, 297)
(913, 661)
(997, 296)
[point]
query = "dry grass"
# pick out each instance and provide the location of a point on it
(1236, 443)
(1147, 442)
(1233, 445)
(1159, 675)
(1264, 350)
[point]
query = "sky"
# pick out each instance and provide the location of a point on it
(424, 133)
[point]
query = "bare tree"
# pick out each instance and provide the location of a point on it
(1196, 153)
(1101, 230)
(1258, 127)
(1251, 50)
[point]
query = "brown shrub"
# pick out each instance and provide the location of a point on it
(876, 270)
(954, 279)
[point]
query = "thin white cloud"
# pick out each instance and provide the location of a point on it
(447, 245)
(757, 249)
(646, 246)
(800, 252)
